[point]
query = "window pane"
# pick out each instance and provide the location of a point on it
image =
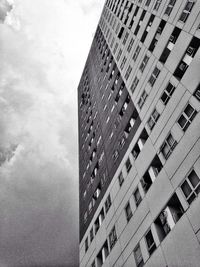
(182, 121)
(186, 189)
(194, 179)
(189, 110)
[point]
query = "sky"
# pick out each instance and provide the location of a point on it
(43, 48)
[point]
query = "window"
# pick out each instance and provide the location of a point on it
(140, 143)
(134, 84)
(85, 217)
(167, 93)
(121, 179)
(108, 203)
(147, 2)
(128, 72)
(112, 238)
(144, 63)
(187, 117)
(157, 4)
(115, 155)
(93, 264)
(130, 45)
(128, 165)
(191, 186)
(137, 51)
(91, 234)
(187, 58)
(128, 212)
(151, 245)
(168, 217)
(142, 99)
(86, 244)
(102, 255)
(157, 35)
(137, 197)
(138, 256)
(168, 146)
(148, 27)
(170, 7)
(197, 93)
(151, 174)
(153, 119)
(154, 76)
(187, 10)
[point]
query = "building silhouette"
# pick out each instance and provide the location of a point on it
(139, 137)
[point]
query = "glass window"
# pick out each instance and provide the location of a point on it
(138, 256)
(168, 146)
(137, 197)
(151, 245)
(191, 186)
(187, 117)
(128, 212)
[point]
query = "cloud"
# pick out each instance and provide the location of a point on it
(5, 7)
(43, 48)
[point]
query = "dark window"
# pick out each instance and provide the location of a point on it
(128, 212)
(128, 165)
(168, 217)
(147, 29)
(108, 203)
(112, 238)
(91, 234)
(138, 256)
(142, 99)
(86, 244)
(154, 76)
(144, 63)
(187, 117)
(157, 35)
(170, 45)
(187, 10)
(151, 245)
(121, 179)
(168, 146)
(153, 119)
(137, 197)
(167, 93)
(170, 6)
(197, 93)
(191, 186)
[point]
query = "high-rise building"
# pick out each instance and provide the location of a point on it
(139, 137)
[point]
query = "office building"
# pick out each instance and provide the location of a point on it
(139, 137)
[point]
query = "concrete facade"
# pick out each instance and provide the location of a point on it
(141, 207)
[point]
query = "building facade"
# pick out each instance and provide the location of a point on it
(139, 137)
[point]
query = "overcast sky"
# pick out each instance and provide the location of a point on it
(43, 49)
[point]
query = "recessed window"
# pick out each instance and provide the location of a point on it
(138, 256)
(191, 186)
(103, 254)
(137, 197)
(154, 76)
(151, 245)
(157, 4)
(128, 165)
(197, 93)
(151, 174)
(91, 234)
(137, 51)
(142, 99)
(167, 93)
(144, 63)
(128, 72)
(170, 7)
(93, 264)
(108, 203)
(134, 84)
(112, 237)
(187, 10)
(153, 119)
(128, 212)
(121, 179)
(168, 146)
(86, 244)
(187, 117)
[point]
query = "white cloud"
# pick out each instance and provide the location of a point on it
(43, 48)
